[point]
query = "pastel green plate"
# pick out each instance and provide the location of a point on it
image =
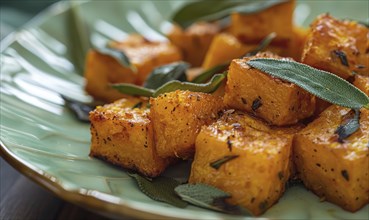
(42, 139)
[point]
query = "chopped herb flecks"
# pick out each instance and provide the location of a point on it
(256, 104)
(280, 175)
(349, 127)
(229, 144)
(345, 175)
(342, 56)
(218, 163)
(360, 66)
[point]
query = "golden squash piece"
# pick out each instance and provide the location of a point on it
(102, 70)
(296, 45)
(123, 135)
(256, 177)
(194, 41)
(362, 83)
(337, 172)
(276, 101)
(252, 28)
(177, 118)
(224, 48)
(338, 47)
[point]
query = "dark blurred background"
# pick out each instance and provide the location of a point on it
(15, 13)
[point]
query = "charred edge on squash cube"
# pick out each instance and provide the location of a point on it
(138, 105)
(256, 104)
(342, 56)
(263, 205)
(218, 163)
(345, 175)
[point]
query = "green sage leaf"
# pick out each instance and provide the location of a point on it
(349, 127)
(320, 83)
(208, 197)
(118, 55)
(218, 163)
(131, 89)
(159, 189)
(79, 36)
(262, 45)
(166, 73)
(208, 10)
(207, 74)
(208, 87)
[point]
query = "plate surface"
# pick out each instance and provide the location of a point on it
(42, 139)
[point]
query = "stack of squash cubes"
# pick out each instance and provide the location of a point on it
(268, 130)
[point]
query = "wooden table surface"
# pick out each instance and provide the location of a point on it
(21, 198)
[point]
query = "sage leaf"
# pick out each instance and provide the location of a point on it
(320, 83)
(159, 189)
(118, 55)
(208, 197)
(131, 89)
(262, 45)
(208, 87)
(78, 33)
(207, 74)
(349, 127)
(218, 163)
(208, 10)
(80, 109)
(166, 73)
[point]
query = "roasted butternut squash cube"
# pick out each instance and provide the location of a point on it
(194, 41)
(335, 171)
(362, 83)
(337, 46)
(102, 70)
(224, 48)
(123, 135)
(261, 166)
(252, 28)
(296, 45)
(177, 118)
(276, 101)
